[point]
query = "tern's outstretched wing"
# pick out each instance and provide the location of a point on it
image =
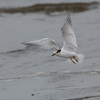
(45, 43)
(69, 36)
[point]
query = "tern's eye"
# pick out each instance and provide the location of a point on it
(58, 51)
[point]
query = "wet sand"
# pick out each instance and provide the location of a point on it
(50, 8)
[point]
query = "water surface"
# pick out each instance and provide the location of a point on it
(31, 73)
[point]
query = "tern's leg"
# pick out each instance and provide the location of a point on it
(72, 60)
(75, 58)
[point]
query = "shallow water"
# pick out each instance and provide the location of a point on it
(31, 73)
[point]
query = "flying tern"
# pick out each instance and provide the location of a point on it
(69, 44)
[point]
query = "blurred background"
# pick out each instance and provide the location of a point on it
(29, 73)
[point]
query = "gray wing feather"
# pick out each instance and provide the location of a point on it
(68, 36)
(45, 43)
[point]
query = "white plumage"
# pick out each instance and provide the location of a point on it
(68, 36)
(45, 43)
(69, 45)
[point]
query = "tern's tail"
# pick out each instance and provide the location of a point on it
(80, 58)
(77, 59)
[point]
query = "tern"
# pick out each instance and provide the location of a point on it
(69, 44)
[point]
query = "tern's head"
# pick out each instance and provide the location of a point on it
(56, 52)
